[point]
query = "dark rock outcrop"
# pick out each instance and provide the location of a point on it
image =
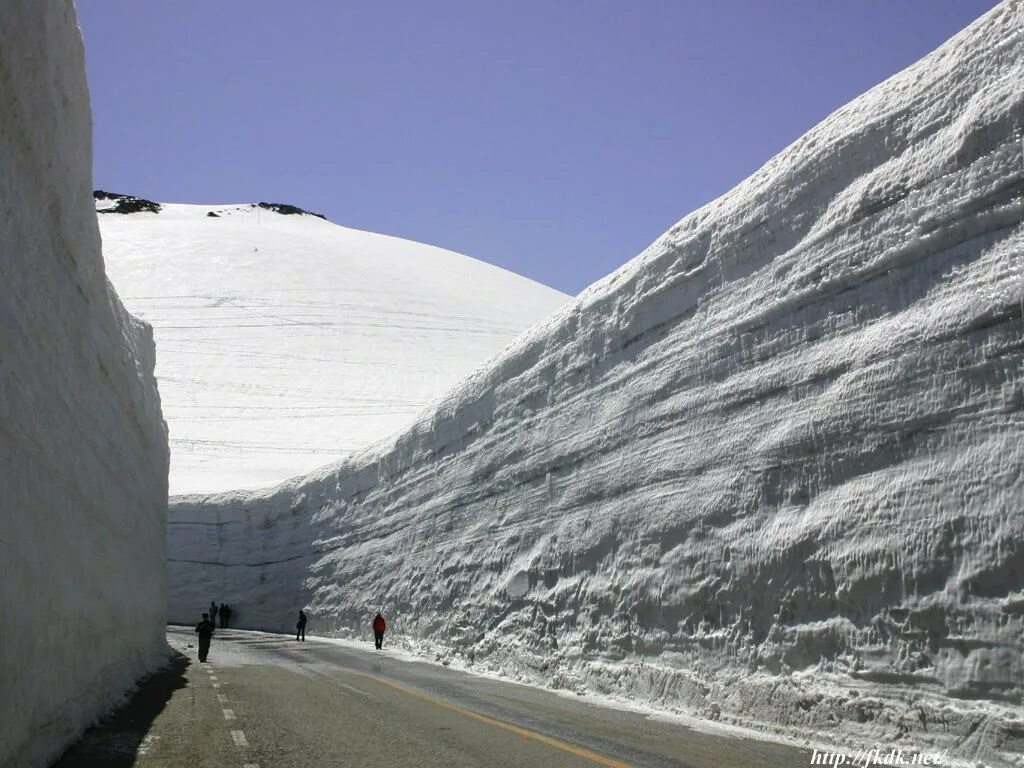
(125, 203)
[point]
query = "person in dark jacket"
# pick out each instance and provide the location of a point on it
(300, 627)
(213, 613)
(205, 631)
(225, 615)
(379, 628)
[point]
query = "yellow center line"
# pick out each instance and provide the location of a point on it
(525, 732)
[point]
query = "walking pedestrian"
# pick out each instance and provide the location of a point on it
(300, 627)
(213, 613)
(225, 615)
(379, 628)
(205, 631)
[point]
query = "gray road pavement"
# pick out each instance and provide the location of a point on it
(265, 700)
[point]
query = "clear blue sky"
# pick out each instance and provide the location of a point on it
(555, 138)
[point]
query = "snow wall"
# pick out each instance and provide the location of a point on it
(83, 449)
(770, 471)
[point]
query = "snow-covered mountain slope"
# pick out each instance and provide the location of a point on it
(285, 341)
(772, 470)
(83, 449)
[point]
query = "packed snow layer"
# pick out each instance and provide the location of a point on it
(83, 448)
(285, 342)
(772, 470)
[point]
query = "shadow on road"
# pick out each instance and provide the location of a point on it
(117, 740)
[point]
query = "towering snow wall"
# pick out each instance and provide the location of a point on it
(770, 470)
(83, 450)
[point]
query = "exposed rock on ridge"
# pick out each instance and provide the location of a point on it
(125, 203)
(289, 210)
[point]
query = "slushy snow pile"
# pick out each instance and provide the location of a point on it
(83, 448)
(285, 341)
(770, 471)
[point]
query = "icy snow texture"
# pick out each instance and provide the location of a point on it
(285, 342)
(770, 470)
(83, 449)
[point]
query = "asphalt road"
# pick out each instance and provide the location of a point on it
(265, 700)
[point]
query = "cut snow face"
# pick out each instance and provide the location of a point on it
(83, 448)
(285, 341)
(770, 470)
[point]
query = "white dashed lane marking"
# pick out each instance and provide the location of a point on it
(354, 690)
(216, 685)
(222, 697)
(239, 738)
(229, 714)
(213, 677)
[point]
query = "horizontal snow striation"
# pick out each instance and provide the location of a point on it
(83, 449)
(770, 471)
(285, 342)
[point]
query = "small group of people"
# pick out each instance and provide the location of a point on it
(207, 627)
(224, 612)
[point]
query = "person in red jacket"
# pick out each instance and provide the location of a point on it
(379, 627)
